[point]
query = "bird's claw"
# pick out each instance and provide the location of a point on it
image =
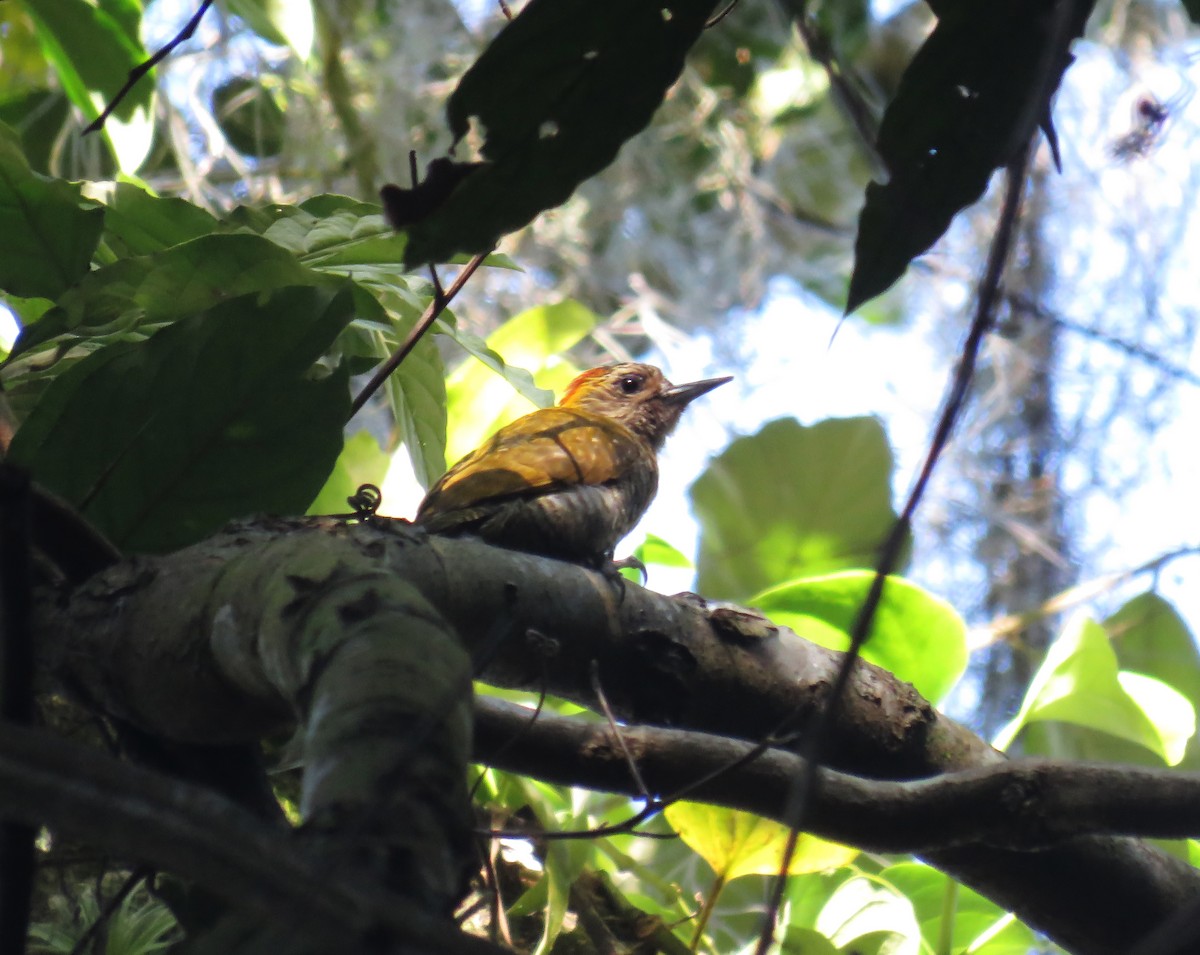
(629, 563)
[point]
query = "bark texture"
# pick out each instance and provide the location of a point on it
(328, 626)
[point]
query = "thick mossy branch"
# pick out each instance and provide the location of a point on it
(276, 624)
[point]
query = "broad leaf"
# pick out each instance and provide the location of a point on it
(1079, 683)
(417, 393)
(793, 501)
(1150, 637)
(557, 93)
(48, 230)
(93, 50)
(132, 294)
(915, 635)
(874, 917)
(977, 925)
(967, 103)
(138, 223)
(160, 442)
(737, 843)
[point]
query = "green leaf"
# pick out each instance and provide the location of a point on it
(737, 843)
(1193, 9)
(249, 117)
(806, 941)
(333, 234)
(1078, 683)
(218, 416)
(480, 394)
(915, 635)
(138, 223)
(37, 116)
(869, 915)
(282, 22)
(1151, 638)
(92, 52)
(558, 92)
(962, 110)
(655, 550)
(362, 461)
(417, 393)
(792, 501)
(182, 280)
(48, 231)
(977, 925)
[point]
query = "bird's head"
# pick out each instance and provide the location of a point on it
(637, 396)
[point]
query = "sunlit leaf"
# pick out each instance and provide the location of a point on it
(417, 394)
(977, 925)
(218, 416)
(870, 916)
(737, 843)
(1079, 683)
(655, 550)
(361, 461)
(1151, 638)
(793, 501)
(282, 22)
(93, 51)
(917, 636)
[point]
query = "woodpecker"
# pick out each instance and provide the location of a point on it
(572, 480)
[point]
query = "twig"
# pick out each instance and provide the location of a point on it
(1071, 597)
(804, 785)
(143, 68)
(857, 109)
(435, 308)
(718, 17)
(594, 671)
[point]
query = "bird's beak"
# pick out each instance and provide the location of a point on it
(686, 393)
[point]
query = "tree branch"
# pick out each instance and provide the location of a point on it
(132, 812)
(1029, 804)
(536, 623)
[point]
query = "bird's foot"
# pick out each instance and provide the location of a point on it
(628, 563)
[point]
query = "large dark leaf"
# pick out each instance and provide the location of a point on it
(158, 443)
(557, 93)
(138, 223)
(972, 96)
(181, 280)
(48, 231)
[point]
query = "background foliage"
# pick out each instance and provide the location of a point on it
(201, 284)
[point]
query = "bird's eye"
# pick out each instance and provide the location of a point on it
(632, 384)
